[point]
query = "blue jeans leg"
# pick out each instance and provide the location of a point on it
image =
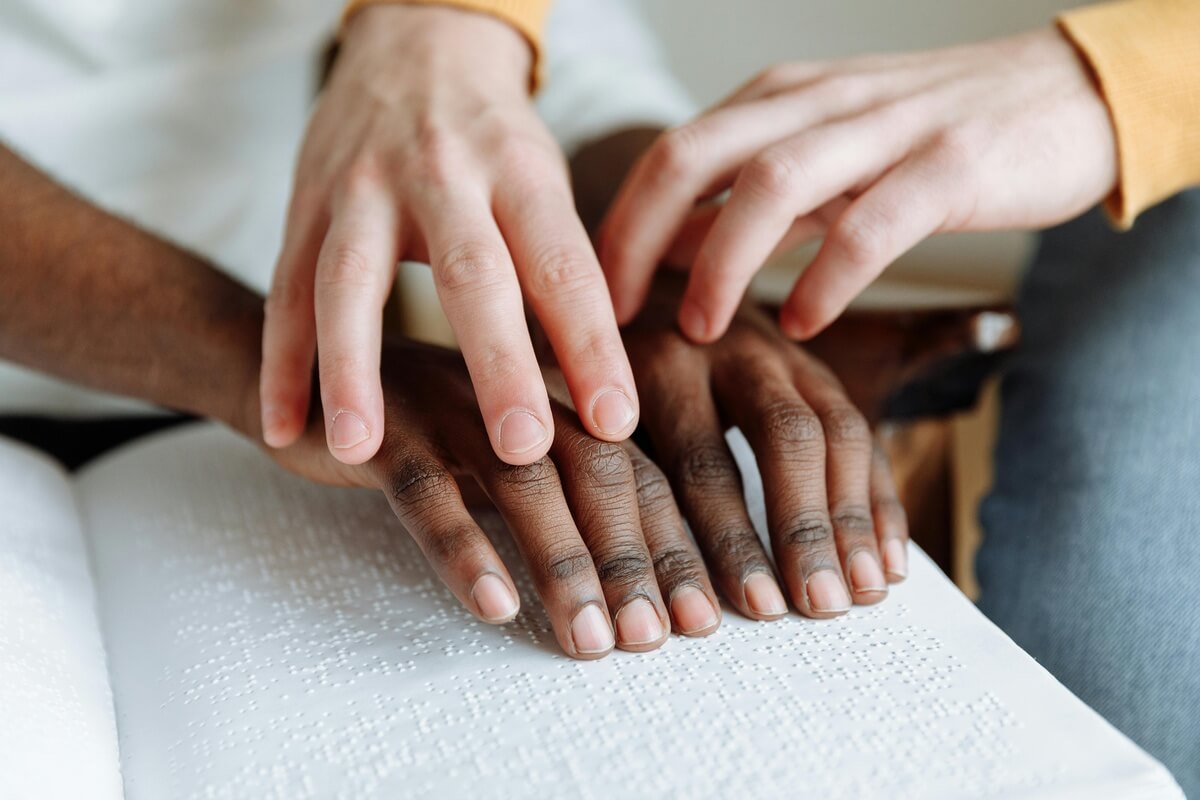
(1091, 558)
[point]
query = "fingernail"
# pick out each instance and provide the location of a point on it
(612, 412)
(692, 610)
(692, 321)
(865, 574)
(590, 631)
(347, 430)
(520, 432)
(896, 555)
(493, 599)
(763, 595)
(826, 593)
(638, 623)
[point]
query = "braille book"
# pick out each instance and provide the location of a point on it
(185, 620)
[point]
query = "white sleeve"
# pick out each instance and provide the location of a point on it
(605, 72)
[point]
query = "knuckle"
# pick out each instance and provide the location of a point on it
(470, 267)
(675, 152)
(602, 464)
(771, 174)
(773, 77)
(625, 565)
(652, 486)
(675, 566)
(527, 479)
(734, 548)
(889, 507)
(854, 520)
(592, 348)
(564, 563)
(791, 425)
(862, 240)
(958, 146)
(494, 363)
(562, 269)
(415, 482)
(345, 265)
(808, 532)
(704, 466)
(844, 424)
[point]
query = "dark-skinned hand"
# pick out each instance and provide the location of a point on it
(837, 529)
(595, 522)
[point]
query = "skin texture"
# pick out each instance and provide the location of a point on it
(873, 154)
(595, 521)
(136, 315)
(830, 494)
(837, 529)
(424, 145)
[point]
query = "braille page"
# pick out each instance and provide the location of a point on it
(58, 738)
(272, 639)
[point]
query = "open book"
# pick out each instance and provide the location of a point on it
(184, 619)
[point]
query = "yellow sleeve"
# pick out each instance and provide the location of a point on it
(1146, 57)
(527, 16)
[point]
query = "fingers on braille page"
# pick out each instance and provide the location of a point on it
(678, 565)
(848, 453)
(601, 491)
(290, 328)
(562, 281)
(427, 501)
(688, 438)
(757, 394)
(891, 521)
(531, 499)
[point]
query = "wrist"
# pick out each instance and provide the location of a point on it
(227, 350)
(417, 39)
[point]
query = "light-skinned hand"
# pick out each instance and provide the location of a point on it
(424, 145)
(874, 154)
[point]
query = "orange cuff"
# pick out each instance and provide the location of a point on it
(1146, 57)
(527, 16)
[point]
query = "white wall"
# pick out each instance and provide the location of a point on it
(715, 45)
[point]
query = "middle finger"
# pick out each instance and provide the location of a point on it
(757, 394)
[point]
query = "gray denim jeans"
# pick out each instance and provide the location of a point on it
(1091, 558)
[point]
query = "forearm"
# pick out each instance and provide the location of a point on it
(93, 299)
